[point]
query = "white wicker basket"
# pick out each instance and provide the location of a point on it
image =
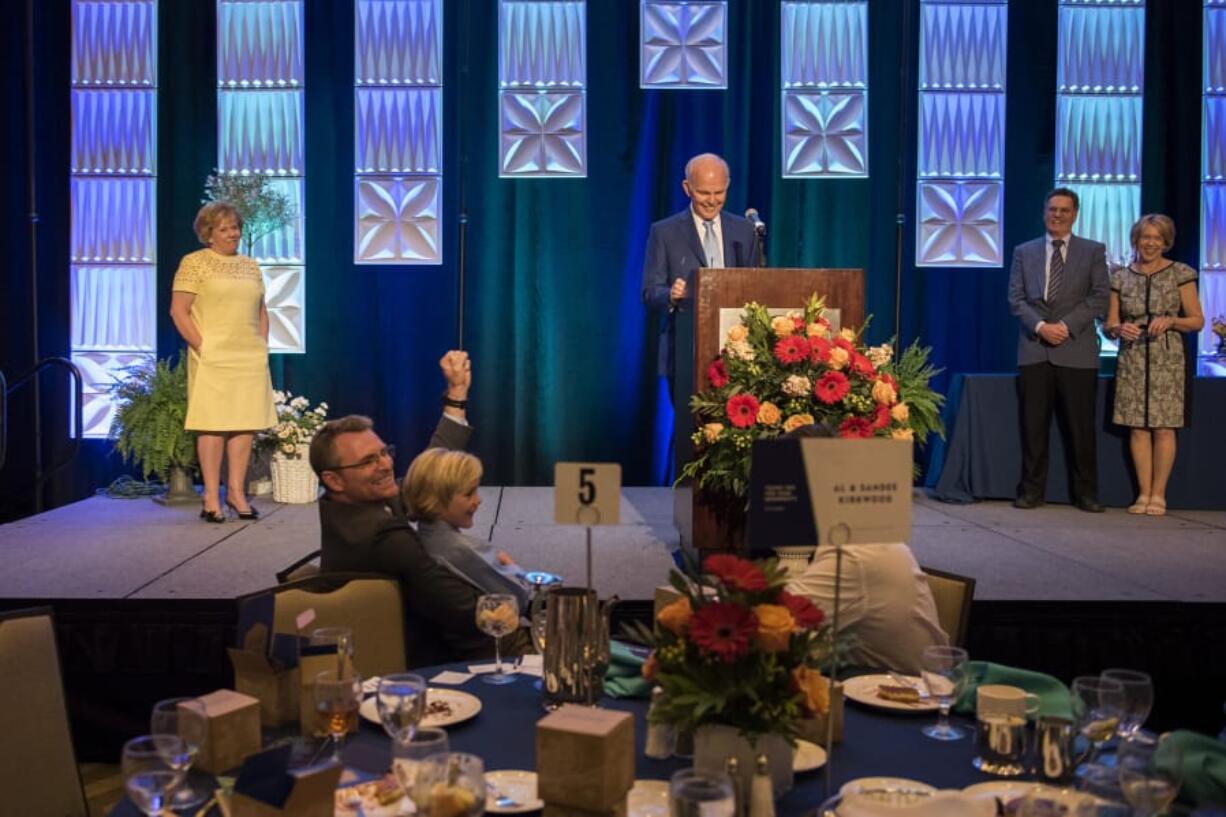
(293, 481)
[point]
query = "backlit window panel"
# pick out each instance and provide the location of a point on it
(824, 76)
(961, 140)
(398, 131)
(683, 44)
(112, 189)
(542, 82)
(261, 130)
(1213, 173)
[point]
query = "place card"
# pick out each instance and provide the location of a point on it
(451, 677)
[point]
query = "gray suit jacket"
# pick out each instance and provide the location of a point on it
(1082, 297)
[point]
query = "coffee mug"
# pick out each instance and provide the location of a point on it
(1002, 699)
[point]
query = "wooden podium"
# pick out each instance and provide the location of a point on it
(698, 340)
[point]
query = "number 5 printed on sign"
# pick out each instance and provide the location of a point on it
(587, 493)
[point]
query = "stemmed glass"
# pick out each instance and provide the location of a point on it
(337, 698)
(187, 719)
(408, 755)
(342, 637)
(1138, 698)
(1151, 772)
(497, 615)
(944, 670)
(450, 785)
(152, 767)
(695, 793)
(401, 702)
(1097, 705)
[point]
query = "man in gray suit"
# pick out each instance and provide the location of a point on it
(1057, 287)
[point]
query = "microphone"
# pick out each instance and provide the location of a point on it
(759, 226)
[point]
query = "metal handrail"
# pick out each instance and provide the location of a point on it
(78, 430)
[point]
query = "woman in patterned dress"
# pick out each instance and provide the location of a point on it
(1153, 300)
(218, 307)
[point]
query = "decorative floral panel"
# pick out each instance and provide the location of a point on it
(825, 133)
(285, 296)
(397, 218)
(959, 223)
(684, 45)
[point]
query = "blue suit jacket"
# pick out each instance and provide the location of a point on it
(1082, 297)
(674, 250)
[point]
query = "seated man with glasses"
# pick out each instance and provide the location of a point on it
(363, 525)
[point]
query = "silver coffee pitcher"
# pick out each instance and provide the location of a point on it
(1056, 758)
(576, 644)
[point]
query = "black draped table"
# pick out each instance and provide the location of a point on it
(982, 457)
(503, 734)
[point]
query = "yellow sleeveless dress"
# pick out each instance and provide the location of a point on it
(228, 384)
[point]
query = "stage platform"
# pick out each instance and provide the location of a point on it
(144, 594)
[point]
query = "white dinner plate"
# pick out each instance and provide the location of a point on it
(518, 785)
(1009, 790)
(648, 798)
(460, 706)
(893, 789)
(808, 756)
(352, 800)
(863, 689)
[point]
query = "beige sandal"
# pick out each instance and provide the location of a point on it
(1140, 506)
(1157, 507)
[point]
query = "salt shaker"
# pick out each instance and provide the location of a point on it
(660, 737)
(761, 791)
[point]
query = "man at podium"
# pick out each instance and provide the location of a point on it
(701, 235)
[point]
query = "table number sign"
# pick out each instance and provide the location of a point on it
(587, 493)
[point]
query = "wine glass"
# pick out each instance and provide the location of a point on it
(497, 615)
(695, 793)
(1151, 772)
(944, 670)
(342, 637)
(450, 784)
(337, 698)
(1138, 698)
(408, 755)
(187, 719)
(401, 701)
(1097, 705)
(152, 767)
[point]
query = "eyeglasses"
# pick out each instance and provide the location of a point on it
(369, 461)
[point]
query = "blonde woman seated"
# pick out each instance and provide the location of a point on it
(440, 491)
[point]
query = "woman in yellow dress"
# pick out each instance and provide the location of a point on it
(218, 307)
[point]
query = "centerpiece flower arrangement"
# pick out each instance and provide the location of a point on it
(775, 374)
(738, 650)
(296, 425)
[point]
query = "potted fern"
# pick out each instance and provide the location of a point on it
(150, 406)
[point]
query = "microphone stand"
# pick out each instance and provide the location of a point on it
(759, 236)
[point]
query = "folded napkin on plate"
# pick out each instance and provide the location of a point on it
(941, 804)
(624, 679)
(1204, 767)
(1053, 695)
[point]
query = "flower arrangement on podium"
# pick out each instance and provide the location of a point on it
(289, 441)
(738, 659)
(777, 373)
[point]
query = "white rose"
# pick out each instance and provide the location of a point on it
(797, 385)
(741, 349)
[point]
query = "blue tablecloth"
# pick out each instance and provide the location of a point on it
(982, 459)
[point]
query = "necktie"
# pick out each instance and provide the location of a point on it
(710, 246)
(1056, 276)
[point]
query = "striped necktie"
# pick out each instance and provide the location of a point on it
(1056, 274)
(710, 246)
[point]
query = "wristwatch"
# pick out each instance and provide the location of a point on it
(459, 404)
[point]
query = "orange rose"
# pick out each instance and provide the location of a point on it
(775, 626)
(902, 434)
(796, 421)
(883, 392)
(768, 414)
(848, 335)
(738, 333)
(900, 412)
(675, 616)
(650, 667)
(782, 326)
(838, 357)
(817, 330)
(711, 431)
(814, 690)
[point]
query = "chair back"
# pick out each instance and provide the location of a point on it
(303, 568)
(953, 595)
(38, 766)
(369, 604)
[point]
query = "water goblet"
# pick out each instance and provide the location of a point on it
(408, 755)
(152, 767)
(450, 784)
(694, 793)
(497, 615)
(401, 702)
(337, 699)
(342, 637)
(1151, 772)
(944, 671)
(1138, 698)
(187, 719)
(1097, 704)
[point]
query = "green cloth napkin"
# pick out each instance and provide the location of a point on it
(623, 678)
(1053, 695)
(1204, 767)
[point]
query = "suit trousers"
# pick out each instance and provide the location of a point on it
(1074, 394)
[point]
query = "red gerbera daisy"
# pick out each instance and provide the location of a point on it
(735, 573)
(742, 410)
(804, 612)
(792, 349)
(856, 428)
(882, 418)
(819, 350)
(832, 387)
(717, 374)
(861, 365)
(723, 630)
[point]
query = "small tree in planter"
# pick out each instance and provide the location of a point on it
(150, 406)
(264, 208)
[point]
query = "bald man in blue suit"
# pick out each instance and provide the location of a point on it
(701, 235)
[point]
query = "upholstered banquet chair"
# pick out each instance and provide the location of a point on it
(38, 767)
(953, 595)
(369, 604)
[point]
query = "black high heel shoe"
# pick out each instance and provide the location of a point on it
(249, 515)
(215, 517)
